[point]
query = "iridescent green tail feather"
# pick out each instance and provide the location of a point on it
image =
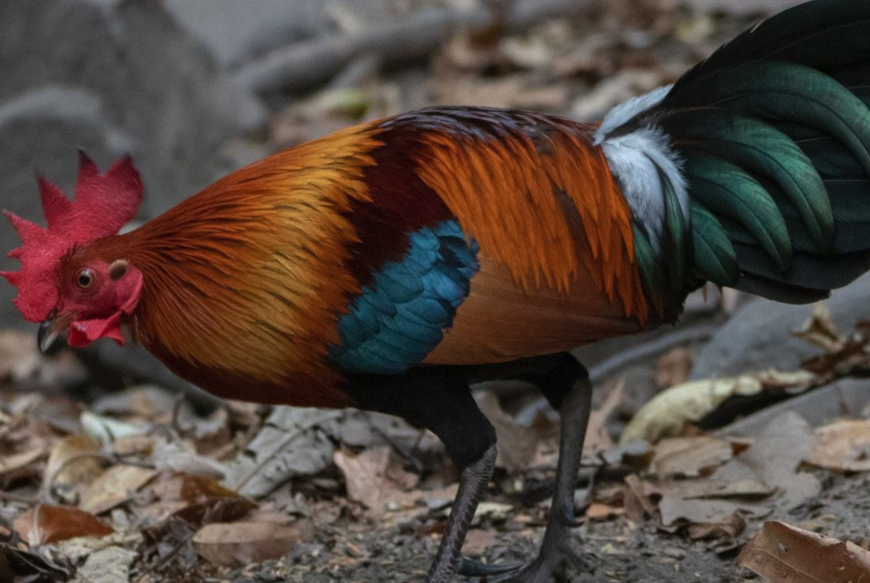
(774, 133)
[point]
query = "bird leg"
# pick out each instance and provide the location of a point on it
(471, 486)
(439, 399)
(569, 391)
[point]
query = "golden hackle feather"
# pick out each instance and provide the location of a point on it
(246, 277)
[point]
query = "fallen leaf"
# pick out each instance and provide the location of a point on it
(597, 435)
(729, 529)
(636, 492)
(598, 511)
(843, 446)
(786, 554)
(181, 457)
(364, 475)
(143, 401)
(194, 499)
(820, 330)
(674, 510)
(477, 541)
(669, 411)
(291, 443)
(70, 467)
(241, 543)
(47, 524)
(776, 455)
(106, 430)
(715, 488)
(108, 565)
(114, 487)
(517, 444)
(18, 566)
(492, 511)
(690, 456)
(13, 463)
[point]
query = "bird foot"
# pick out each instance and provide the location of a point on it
(560, 552)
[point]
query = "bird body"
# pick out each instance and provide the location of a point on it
(390, 265)
(352, 254)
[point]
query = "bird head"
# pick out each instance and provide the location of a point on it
(62, 284)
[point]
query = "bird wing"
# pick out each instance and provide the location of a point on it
(489, 235)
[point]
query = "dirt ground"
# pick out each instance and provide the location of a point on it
(616, 550)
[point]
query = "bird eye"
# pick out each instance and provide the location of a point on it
(85, 278)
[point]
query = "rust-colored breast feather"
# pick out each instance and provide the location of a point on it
(555, 237)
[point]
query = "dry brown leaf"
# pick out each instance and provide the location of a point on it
(843, 446)
(47, 524)
(715, 488)
(597, 436)
(70, 467)
(820, 330)
(114, 487)
(675, 510)
(196, 500)
(690, 456)
(364, 475)
(517, 444)
(786, 554)
(10, 464)
(242, 543)
(776, 455)
(18, 566)
(636, 493)
(107, 565)
(729, 529)
(477, 541)
(598, 511)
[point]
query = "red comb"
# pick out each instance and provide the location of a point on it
(103, 204)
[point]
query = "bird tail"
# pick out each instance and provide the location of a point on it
(772, 138)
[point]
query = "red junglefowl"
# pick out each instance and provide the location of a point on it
(390, 265)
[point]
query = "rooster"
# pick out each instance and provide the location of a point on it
(391, 265)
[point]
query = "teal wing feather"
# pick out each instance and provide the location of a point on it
(399, 318)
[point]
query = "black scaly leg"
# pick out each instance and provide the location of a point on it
(566, 386)
(471, 487)
(439, 399)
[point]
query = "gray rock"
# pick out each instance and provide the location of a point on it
(156, 83)
(234, 32)
(112, 77)
(758, 336)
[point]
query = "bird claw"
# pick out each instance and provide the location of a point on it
(558, 553)
(472, 568)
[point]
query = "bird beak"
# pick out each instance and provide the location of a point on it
(48, 333)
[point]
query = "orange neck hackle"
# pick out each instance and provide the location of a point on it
(248, 276)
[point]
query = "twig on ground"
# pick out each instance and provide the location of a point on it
(302, 66)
